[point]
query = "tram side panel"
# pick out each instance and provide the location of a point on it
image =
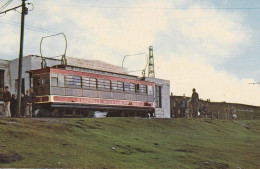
(64, 91)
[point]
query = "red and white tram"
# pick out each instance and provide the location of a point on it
(80, 91)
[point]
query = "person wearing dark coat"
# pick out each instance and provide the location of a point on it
(195, 102)
(183, 106)
(13, 106)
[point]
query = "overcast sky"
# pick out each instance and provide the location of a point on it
(210, 45)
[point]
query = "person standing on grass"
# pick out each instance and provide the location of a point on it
(183, 106)
(33, 101)
(195, 102)
(6, 98)
(190, 107)
(13, 106)
(29, 100)
(174, 107)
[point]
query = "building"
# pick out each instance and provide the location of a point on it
(9, 76)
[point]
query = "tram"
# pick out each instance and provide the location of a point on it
(74, 91)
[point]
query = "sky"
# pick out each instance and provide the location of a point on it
(210, 45)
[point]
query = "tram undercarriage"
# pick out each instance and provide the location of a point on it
(80, 110)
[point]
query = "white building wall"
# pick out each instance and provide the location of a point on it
(4, 65)
(29, 63)
(163, 112)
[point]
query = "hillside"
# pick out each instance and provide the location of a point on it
(129, 143)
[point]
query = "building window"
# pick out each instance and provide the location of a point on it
(117, 85)
(158, 96)
(88, 82)
(73, 81)
(2, 78)
(2, 85)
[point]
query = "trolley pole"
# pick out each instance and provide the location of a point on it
(20, 69)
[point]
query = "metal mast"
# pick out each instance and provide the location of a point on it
(151, 63)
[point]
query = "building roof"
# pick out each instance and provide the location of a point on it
(90, 64)
(95, 64)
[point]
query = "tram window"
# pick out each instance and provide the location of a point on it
(54, 80)
(73, 81)
(127, 86)
(150, 90)
(92, 82)
(141, 88)
(103, 83)
(120, 85)
(117, 85)
(69, 80)
(100, 83)
(114, 85)
(107, 84)
(36, 81)
(85, 82)
(132, 87)
(60, 80)
(45, 80)
(77, 80)
(89, 82)
(41, 81)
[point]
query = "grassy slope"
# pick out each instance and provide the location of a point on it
(244, 112)
(139, 143)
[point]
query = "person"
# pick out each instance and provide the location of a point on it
(204, 110)
(189, 105)
(174, 107)
(33, 102)
(6, 98)
(227, 112)
(200, 109)
(195, 102)
(13, 106)
(28, 101)
(183, 106)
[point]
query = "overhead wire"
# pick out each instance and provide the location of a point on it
(5, 5)
(152, 8)
(33, 28)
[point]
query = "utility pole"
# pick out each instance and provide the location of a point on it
(151, 63)
(20, 69)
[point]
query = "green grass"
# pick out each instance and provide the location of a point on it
(245, 112)
(138, 143)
